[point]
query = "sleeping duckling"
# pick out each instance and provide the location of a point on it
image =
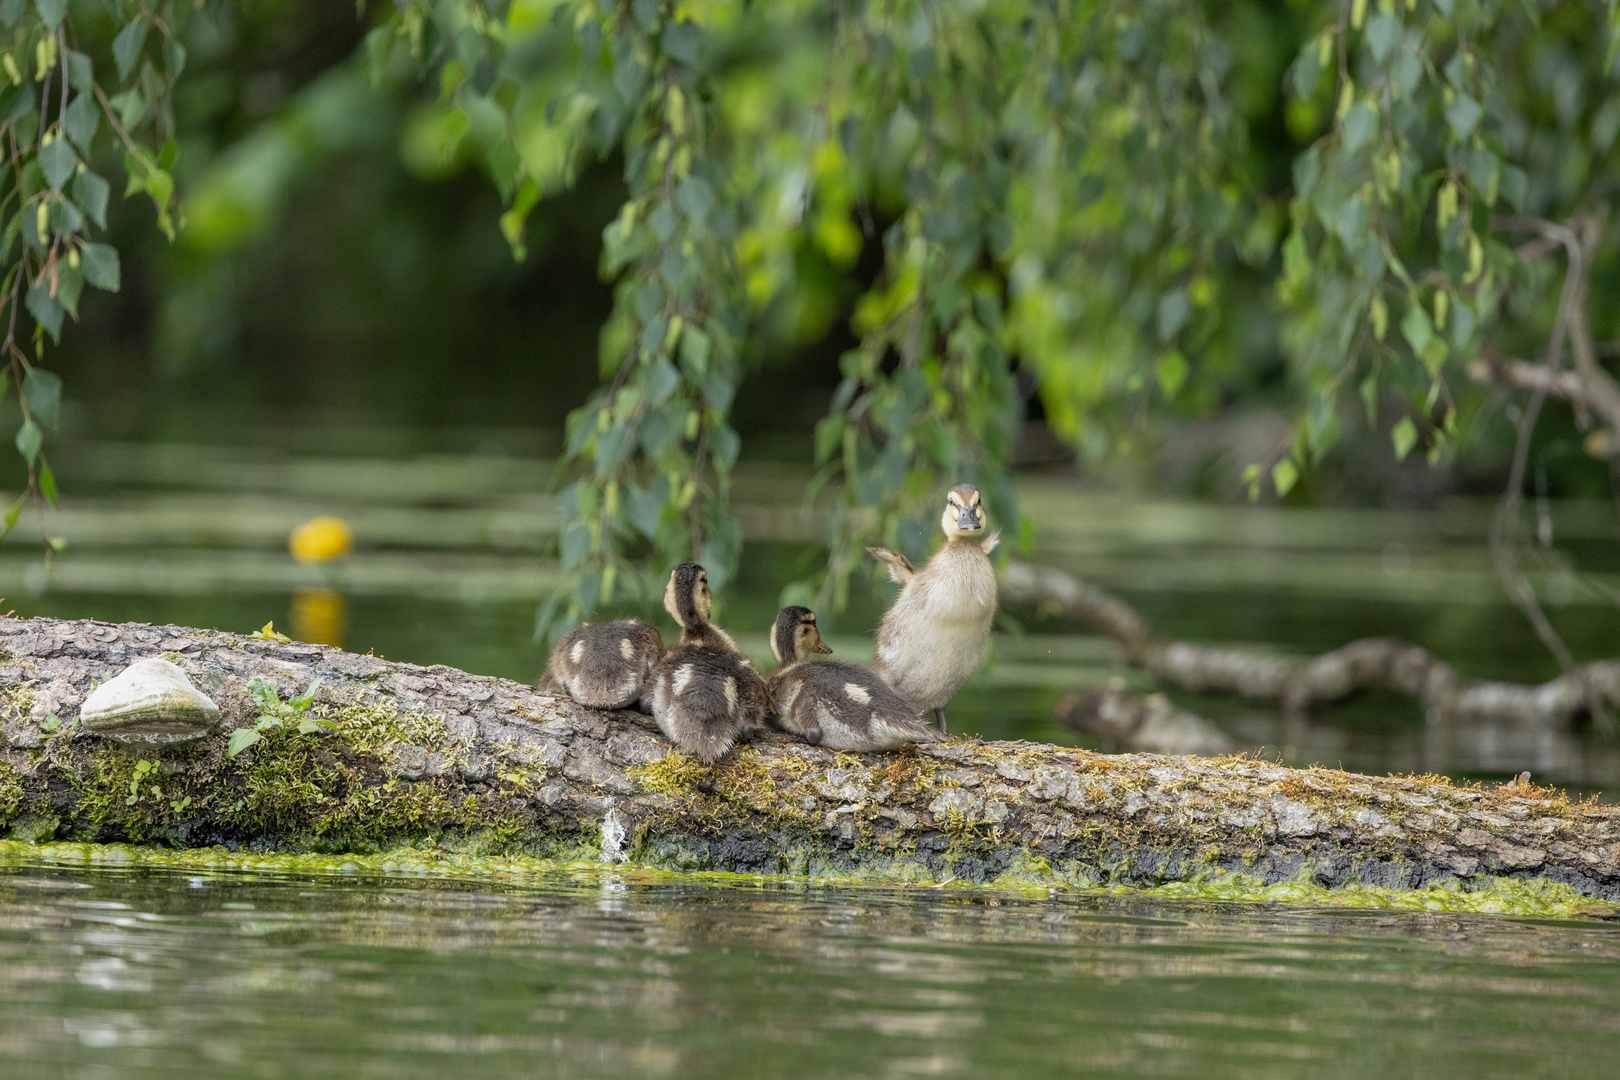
(603, 665)
(937, 632)
(705, 694)
(835, 704)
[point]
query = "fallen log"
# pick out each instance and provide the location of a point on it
(436, 759)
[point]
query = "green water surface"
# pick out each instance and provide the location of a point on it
(169, 974)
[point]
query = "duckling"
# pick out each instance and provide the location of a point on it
(603, 665)
(705, 695)
(835, 704)
(937, 632)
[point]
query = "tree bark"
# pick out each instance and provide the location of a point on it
(437, 758)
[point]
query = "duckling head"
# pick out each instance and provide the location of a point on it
(794, 636)
(964, 514)
(687, 597)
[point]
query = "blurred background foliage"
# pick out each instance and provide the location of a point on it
(1219, 249)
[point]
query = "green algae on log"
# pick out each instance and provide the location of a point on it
(434, 759)
(1486, 895)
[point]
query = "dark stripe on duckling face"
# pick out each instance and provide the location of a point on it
(685, 583)
(794, 635)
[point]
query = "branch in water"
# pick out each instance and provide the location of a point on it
(1368, 664)
(1151, 723)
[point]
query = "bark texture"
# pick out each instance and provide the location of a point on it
(1367, 664)
(436, 758)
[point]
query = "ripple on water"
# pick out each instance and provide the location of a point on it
(149, 972)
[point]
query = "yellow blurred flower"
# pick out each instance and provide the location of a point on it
(321, 540)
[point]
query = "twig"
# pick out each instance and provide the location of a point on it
(1504, 532)
(1344, 49)
(62, 49)
(44, 102)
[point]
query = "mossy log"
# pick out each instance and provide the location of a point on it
(437, 759)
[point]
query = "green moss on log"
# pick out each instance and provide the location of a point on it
(11, 794)
(1505, 896)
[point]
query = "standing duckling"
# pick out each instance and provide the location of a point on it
(835, 704)
(603, 665)
(705, 695)
(936, 634)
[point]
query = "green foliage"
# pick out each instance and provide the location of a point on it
(1123, 208)
(275, 714)
(1067, 186)
(52, 101)
(1445, 115)
(1010, 151)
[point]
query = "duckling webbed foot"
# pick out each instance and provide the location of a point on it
(939, 714)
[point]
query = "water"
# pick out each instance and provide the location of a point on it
(173, 975)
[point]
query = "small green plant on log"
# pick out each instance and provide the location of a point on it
(275, 713)
(143, 769)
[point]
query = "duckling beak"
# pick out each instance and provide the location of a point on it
(821, 647)
(967, 518)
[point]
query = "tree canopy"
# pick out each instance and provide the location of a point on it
(1092, 205)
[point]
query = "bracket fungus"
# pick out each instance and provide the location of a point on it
(151, 703)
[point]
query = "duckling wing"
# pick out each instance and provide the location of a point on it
(603, 665)
(988, 544)
(753, 698)
(900, 568)
(856, 710)
(705, 700)
(562, 666)
(793, 710)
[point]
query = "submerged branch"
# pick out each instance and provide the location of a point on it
(1151, 723)
(1368, 664)
(446, 763)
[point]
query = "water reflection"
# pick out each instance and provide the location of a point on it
(1576, 759)
(319, 616)
(179, 975)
